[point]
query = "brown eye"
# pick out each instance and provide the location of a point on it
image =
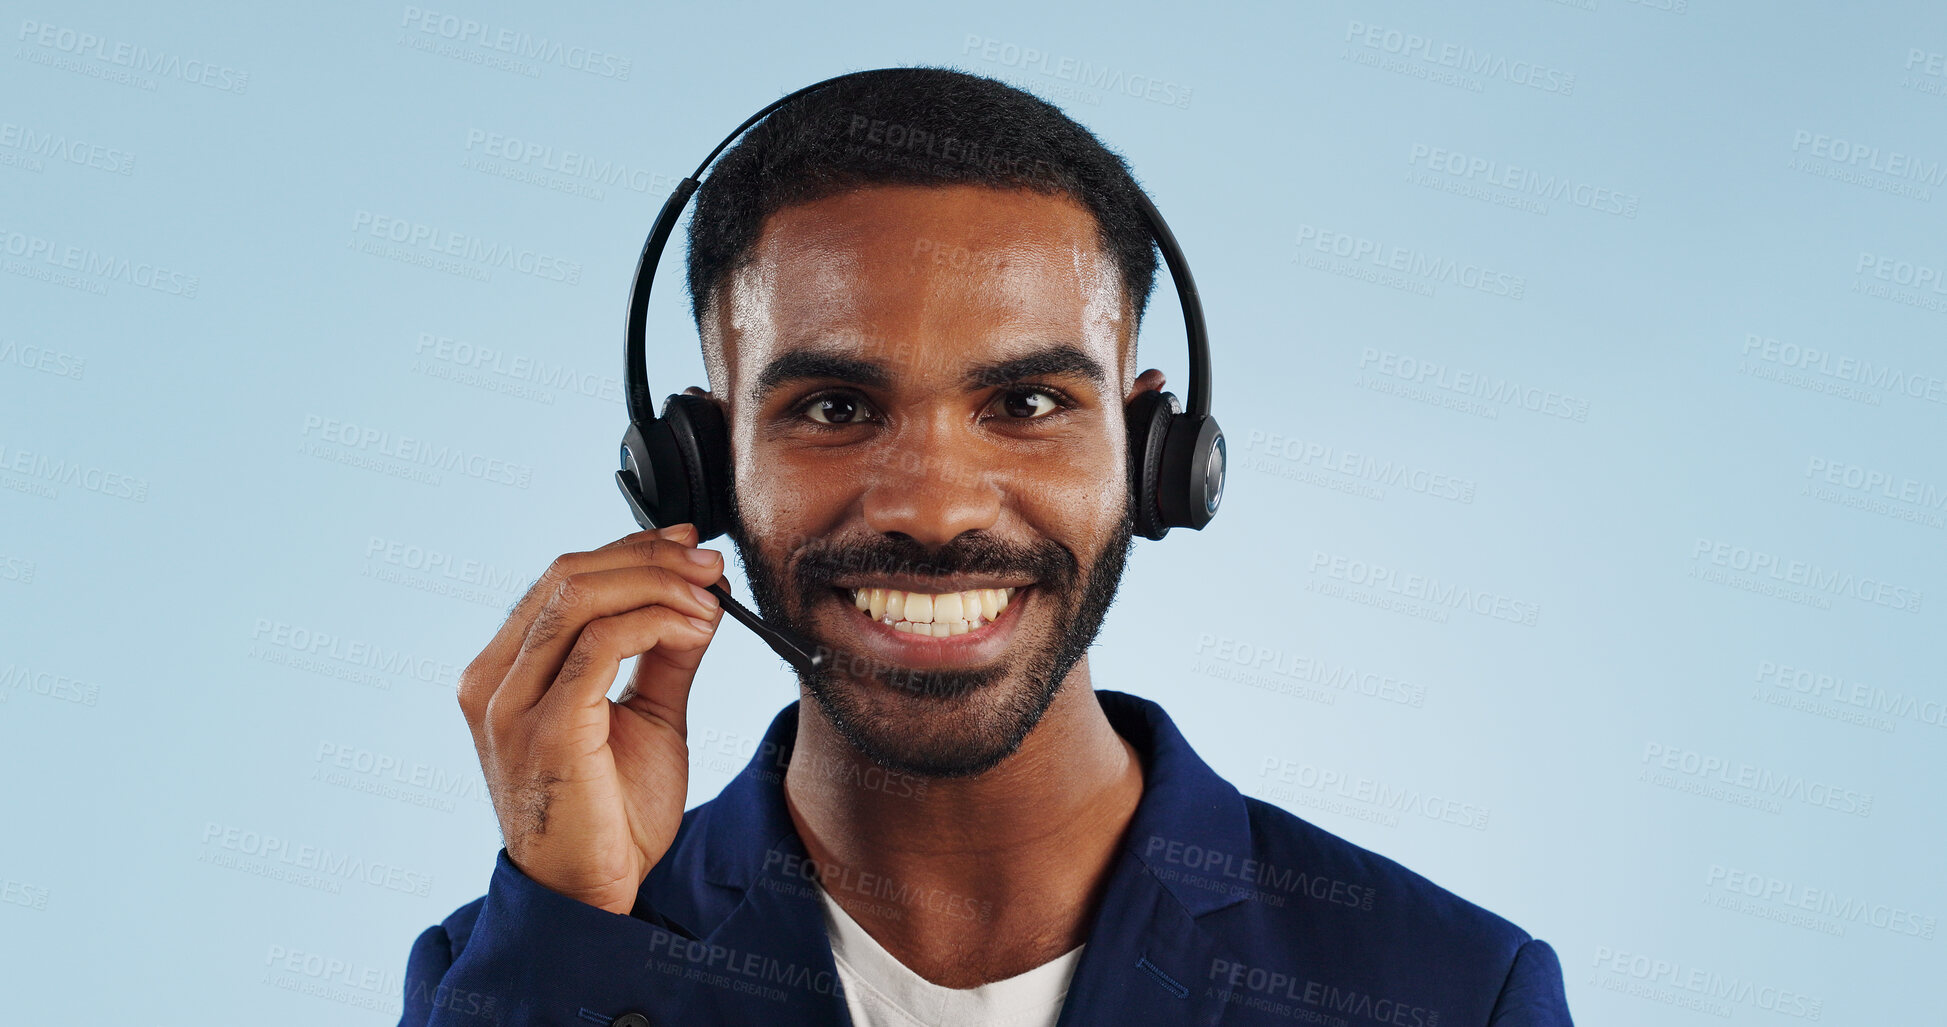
(1027, 404)
(835, 410)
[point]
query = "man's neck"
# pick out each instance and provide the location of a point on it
(971, 880)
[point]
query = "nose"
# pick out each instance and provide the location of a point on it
(931, 483)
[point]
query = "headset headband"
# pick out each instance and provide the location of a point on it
(642, 408)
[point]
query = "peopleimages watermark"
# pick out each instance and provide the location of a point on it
(1924, 71)
(1794, 580)
(1847, 377)
(1859, 702)
(309, 865)
(1383, 264)
(33, 147)
(17, 569)
(1078, 71)
(21, 893)
(352, 659)
(882, 140)
(732, 969)
(1420, 590)
(437, 571)
(15, 677)
(1795, 903)
(514, 43)
(1283, 670)
(1500, 392)
(1901, 272)
(496, 370)
(1749, 784)
(1696, 988)
(1901, 281)
(46, 360)
(415, 242)
(417, 783)
(1877, 491)
(1400, 267)
(347, 981)
(1448, 63)
(1249, 877)
(88, 269)
(122, 62)
(881, 888)
(418, 459)
(562, 170)
(40, 473)
(1524, 182)
(1297, 996)
(1855, 163)
(1317, 463)
(1385, 801)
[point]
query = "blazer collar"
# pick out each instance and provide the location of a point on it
(1185, 855)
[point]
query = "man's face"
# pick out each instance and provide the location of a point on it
(925, 390)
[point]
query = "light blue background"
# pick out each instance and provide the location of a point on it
(155, 727)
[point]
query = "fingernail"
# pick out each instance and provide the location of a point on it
(675, 530)
(703, 625)
(704, 596)
(706, 557)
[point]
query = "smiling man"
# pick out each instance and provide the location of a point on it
(923, 355)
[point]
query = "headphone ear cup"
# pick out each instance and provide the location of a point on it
(702, 441)
(636, 478)
(1149, 416)
(1191, 479)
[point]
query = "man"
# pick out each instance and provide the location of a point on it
(923, 354)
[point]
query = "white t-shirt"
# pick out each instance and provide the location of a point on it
(881, 992)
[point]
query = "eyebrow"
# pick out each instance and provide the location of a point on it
(803, 365)
(1057, 361)
(1060, 360)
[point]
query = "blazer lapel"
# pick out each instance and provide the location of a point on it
(769, 961)
(1148, 961)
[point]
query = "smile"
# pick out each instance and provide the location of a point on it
(939, 615)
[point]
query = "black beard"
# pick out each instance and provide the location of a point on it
(942, 723)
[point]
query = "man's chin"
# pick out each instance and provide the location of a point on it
(934, 724)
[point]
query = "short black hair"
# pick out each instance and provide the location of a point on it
(912, 126)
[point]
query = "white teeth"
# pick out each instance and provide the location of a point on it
(940, 615)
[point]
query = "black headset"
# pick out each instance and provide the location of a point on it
(676, 467)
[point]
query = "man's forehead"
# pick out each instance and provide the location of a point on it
(936, 281)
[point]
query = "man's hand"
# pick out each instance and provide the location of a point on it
(590, 792)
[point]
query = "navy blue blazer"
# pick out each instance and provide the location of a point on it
(1219, 909)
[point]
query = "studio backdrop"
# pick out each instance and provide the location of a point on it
(1583, 365)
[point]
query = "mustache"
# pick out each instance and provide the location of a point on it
(823, 561)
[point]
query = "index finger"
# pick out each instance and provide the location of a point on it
(494, 661)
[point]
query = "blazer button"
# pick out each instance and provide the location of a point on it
(630, 1020)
